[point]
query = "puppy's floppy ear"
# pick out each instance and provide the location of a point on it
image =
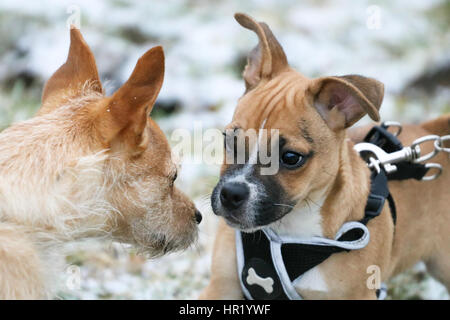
(267, 59)
(122, 121)
(341, 101)
(69, 80)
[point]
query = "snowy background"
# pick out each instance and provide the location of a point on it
(405, 44)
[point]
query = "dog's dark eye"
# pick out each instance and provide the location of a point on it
(173, 178)
(292, 160)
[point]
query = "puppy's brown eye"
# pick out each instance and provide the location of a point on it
(292, 160)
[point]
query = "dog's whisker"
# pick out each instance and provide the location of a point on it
(283, 205)
(313, 202)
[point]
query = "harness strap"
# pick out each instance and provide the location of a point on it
(379, 192)
(269, 264)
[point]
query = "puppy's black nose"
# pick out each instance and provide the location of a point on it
(198, 216)
(233, 195)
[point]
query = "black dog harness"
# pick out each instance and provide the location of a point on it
(269, 265)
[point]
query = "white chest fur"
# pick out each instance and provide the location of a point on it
(311, 280)
(305, 221)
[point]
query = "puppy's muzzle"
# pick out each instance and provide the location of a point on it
(233, 195)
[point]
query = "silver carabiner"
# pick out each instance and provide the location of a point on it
(374, 163)
(438, 144)
(394, 124)
(433, 166)
(416, 144)
(382, 158)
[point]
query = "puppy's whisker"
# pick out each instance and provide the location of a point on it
(205, 197)
(283, 205)
(307, 203)
(315, 203)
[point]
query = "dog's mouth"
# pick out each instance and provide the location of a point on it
(253, 219)
(156, 243)
(164, 246)
(159, 245)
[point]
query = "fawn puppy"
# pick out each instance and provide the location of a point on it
(322, 183)
(87, 166)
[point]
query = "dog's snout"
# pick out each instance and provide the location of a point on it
(198, 216)
(233, 195)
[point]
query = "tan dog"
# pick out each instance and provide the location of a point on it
(87, 166)
(322, 182)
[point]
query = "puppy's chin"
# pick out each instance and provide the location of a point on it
(244, 227)
(251, 222)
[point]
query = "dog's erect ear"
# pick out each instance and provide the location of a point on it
(341, 101)
(267, 59)
(70, 80)
(124, 118)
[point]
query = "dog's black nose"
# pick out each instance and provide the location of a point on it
(198, 216)
(233, 195)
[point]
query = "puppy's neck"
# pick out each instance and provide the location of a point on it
(323, 212)
(305, 220)
(347, 198)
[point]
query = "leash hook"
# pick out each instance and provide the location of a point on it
(416, 146)
(436, 166)
(439, 144)
(394, 124)
(381, 157)
(378, 158)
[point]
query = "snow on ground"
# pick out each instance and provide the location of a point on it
(205, 49)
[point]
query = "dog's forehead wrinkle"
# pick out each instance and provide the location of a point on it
(304, 131)
(282, 81)
(279, 99)
(262, 101)
(273, 106)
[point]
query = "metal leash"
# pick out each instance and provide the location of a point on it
(381, 158)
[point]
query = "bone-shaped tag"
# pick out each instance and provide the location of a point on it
(265, 283)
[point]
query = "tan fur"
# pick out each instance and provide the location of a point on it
(294, 104)
(87, 166)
